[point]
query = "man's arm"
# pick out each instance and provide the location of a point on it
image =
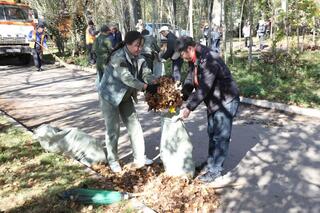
(155, 45)
(205, 86)
(147, 75)
(170, 49)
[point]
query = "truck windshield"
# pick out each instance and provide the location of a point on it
(2, 13)
(14, 13)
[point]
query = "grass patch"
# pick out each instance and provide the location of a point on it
(30, 178)
(292, 79)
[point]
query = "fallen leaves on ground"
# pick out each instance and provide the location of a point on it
(158, 191)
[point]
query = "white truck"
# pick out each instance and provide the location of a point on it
(16, 22)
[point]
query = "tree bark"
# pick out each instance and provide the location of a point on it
(225, 30)
(190, 14)
(314, 32)
(251, 30)
(230, 23)
(210, 7)
(240, 23)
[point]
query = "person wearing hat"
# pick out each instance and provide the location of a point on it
(90, 37)
(37, 41)
(102, 48)
(170, 53)
(116, 35)
(210, 81)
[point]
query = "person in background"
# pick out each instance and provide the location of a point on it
(125, 75)
(90, 37)
(246, 34)
(261, 31)
(170, 53)
(117, 37)
(140, 25)
(102, 48)
(37, 41)
(210, 81)
(216, 37)
(150, 48)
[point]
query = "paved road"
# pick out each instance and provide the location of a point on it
(275, 156)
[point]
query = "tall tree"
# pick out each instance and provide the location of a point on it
(251, 31)
(190, 17)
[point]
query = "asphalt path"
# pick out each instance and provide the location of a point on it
(273, 163)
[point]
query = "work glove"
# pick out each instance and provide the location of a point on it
(152, 88)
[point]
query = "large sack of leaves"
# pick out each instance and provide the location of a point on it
(176, 147)
(71, 142)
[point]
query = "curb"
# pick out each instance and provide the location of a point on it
(15, 122)
(260, 103)
(282, 107)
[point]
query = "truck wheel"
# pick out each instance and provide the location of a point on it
(26, 59)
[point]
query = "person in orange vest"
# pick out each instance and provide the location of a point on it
(37, 41)
(90, 38)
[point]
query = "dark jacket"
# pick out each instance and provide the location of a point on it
(117, 38)
(171, 40)
(216, 86)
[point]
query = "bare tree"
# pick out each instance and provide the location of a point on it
(190, 17)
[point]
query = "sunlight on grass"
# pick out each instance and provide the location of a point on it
(292, 79)
(30, 178)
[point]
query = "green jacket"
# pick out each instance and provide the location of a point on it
(121, 75)
(150, 45)
(102, 47)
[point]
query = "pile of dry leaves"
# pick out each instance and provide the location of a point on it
(160, 192)
(167, 97)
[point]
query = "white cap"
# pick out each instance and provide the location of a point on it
(163, 28)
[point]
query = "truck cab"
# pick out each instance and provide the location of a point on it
(16, 22)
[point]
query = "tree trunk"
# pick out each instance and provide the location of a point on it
(161, 10)
(190, 14)
(225, 30)
(154, 17)
(286, 25)
(251, 30)
(303, 36)
(298, 38)
(230, 23)
(210, 7)
(132, 16)
(240, 23)
(314, 32)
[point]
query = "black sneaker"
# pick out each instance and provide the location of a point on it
(209, 176)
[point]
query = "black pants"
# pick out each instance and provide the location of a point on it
(91, 54)
(176, 69)
(247, 41)
(37, 57)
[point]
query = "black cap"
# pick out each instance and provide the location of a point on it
(183, 43)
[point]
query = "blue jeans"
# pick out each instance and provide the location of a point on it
(37, 58)
(219, 131)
